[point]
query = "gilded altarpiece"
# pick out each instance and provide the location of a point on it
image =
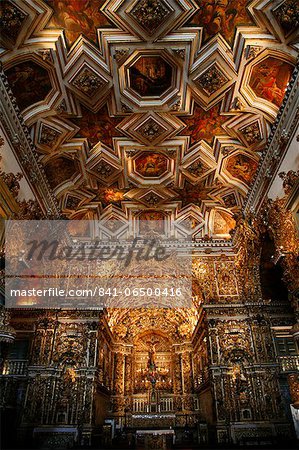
(68, 374)
(240, 370)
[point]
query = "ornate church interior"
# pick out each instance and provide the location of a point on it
(173, 111)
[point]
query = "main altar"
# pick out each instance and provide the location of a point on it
(155, 439)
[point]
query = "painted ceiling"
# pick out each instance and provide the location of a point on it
(150, 108)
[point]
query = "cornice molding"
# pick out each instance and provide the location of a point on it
(24, 151)
(280, 137)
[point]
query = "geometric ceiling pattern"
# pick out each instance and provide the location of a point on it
(150, 109)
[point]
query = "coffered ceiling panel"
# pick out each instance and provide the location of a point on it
(151, 108)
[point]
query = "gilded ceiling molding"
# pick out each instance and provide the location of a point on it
(19, 137)
(281, 134)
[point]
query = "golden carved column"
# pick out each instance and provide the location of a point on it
(7, 333)
(286, 238)
(248, 259)
(187, 381)
(177, 380)
(293, 380)
(128, 382)
(119, 385)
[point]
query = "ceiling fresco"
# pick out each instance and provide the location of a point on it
(221, 16)
(59, 170)
(151, 165)
(97, 127)
(12, 18)
(156, 109)
(241, 167)
(270, 78)
(77, 17)
(29, 82)
(150, 76)
(204, 124)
